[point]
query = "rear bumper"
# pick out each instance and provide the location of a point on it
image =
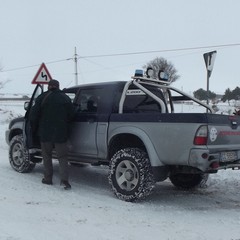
(210, 162)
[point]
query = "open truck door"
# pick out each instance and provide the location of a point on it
(24, 146)
(30, 136)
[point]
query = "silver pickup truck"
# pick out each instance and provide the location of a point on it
(140, 130)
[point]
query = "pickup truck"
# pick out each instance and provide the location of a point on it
(140, 130)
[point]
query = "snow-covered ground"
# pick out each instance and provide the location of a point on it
(30, 210)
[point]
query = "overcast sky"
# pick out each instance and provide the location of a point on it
(36, 31)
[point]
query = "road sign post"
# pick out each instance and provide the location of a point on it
(209, 59)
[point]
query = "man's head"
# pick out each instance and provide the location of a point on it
(53, 84)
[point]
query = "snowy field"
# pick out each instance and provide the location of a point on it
(30, 210)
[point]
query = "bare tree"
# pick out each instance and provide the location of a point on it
(161, 64)
(3, 82)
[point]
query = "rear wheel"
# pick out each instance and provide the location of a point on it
(130, 174)
(19, 156)
(188, 181)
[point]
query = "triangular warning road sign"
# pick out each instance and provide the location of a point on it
(42, 76)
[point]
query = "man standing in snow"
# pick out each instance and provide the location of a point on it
(52, 112)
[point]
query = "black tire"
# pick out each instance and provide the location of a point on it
(188, 181)
(19, 156)
(130, 174)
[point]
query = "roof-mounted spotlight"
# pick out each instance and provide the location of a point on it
(138, 73)
(163, 76)
(149, 72)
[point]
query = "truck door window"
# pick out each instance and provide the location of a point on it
(37, 92)
(88, 100)
(71, 95)
(139, 102)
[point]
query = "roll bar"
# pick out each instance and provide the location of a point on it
(139, 82)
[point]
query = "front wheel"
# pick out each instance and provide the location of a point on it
(188, 181)
(130, 174)
(18, 155)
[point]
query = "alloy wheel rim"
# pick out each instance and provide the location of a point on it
(127, 175)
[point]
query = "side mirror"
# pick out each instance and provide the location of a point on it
(26, 105)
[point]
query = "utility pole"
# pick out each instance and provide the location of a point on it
(76, 68)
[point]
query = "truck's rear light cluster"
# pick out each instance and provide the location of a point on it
(201, 136)
(215, 165)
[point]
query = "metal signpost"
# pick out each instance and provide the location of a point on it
(209, 59)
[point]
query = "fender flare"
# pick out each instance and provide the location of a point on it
(142, 135)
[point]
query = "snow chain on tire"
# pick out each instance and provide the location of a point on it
(130, 174)
(18, 155)
(189, 181)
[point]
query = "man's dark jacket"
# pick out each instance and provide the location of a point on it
(52, 113)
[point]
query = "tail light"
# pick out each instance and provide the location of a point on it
(201, 136)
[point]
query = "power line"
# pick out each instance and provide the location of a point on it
(35, 65)
(164, 50)
(129, 53)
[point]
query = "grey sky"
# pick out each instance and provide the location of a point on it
(34, 31)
